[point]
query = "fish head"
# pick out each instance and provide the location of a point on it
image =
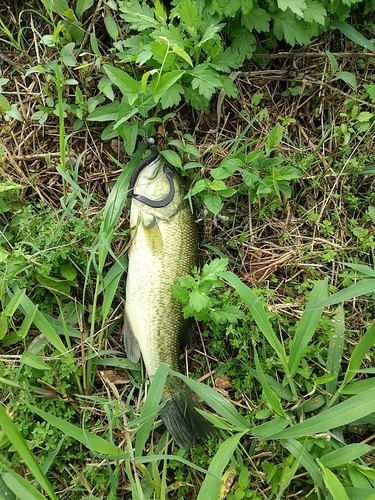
(156, 182)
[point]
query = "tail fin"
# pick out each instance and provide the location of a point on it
(183, 421)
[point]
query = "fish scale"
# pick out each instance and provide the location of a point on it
(164, 246)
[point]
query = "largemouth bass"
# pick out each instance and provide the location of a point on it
(164, 246)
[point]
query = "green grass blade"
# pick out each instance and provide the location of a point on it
(216, 401)
(307, 326)
(281, 391)
(357, 479)
(334, 485)
(258, 313)
(353, 34)
(344, 413)
(111, 285)
(20, 445)
(41, 323)
(152, 403)
(335, 350)
(345, 454)
(360, 351)
(21, 487)
(357, 387)
(96, 443)
(277, 424)
(297, 449)
(271, 398)
(210, 489)
(363, 287)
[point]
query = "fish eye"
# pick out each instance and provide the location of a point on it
(168, 170)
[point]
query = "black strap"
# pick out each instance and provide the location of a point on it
(144, 163)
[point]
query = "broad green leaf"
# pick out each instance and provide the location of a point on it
(129, 87)
(349, 411)
(213, 203)
(217, 185)
(345, 454)
(105, 113)
(93, 441)
(111, 27)
(363, 287)
(165, 82)
(210, 489)
(20, 445)
(258, 313)
(348, 78)
(333, 484)
(172, 97)
(274, 138)
(199, 186)
(307, 326)
(82, 6)
(353, 34)
(172, 158)
(296, 6)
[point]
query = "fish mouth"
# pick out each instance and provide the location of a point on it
(164, 201)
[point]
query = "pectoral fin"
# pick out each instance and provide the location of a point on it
(153, 235)
(131, 343)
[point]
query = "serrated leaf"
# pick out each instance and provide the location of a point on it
(370, 89)
(205, 80)
(365, 116)
(180, 293)
(225, 60)
(139, 15)
(214, 268)
(296, 6)
(172, 97)
(189, 16)
(348, 78)
(213, 203)
(315, 12)
(199, 301)
(288, 28)
(257, 19)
